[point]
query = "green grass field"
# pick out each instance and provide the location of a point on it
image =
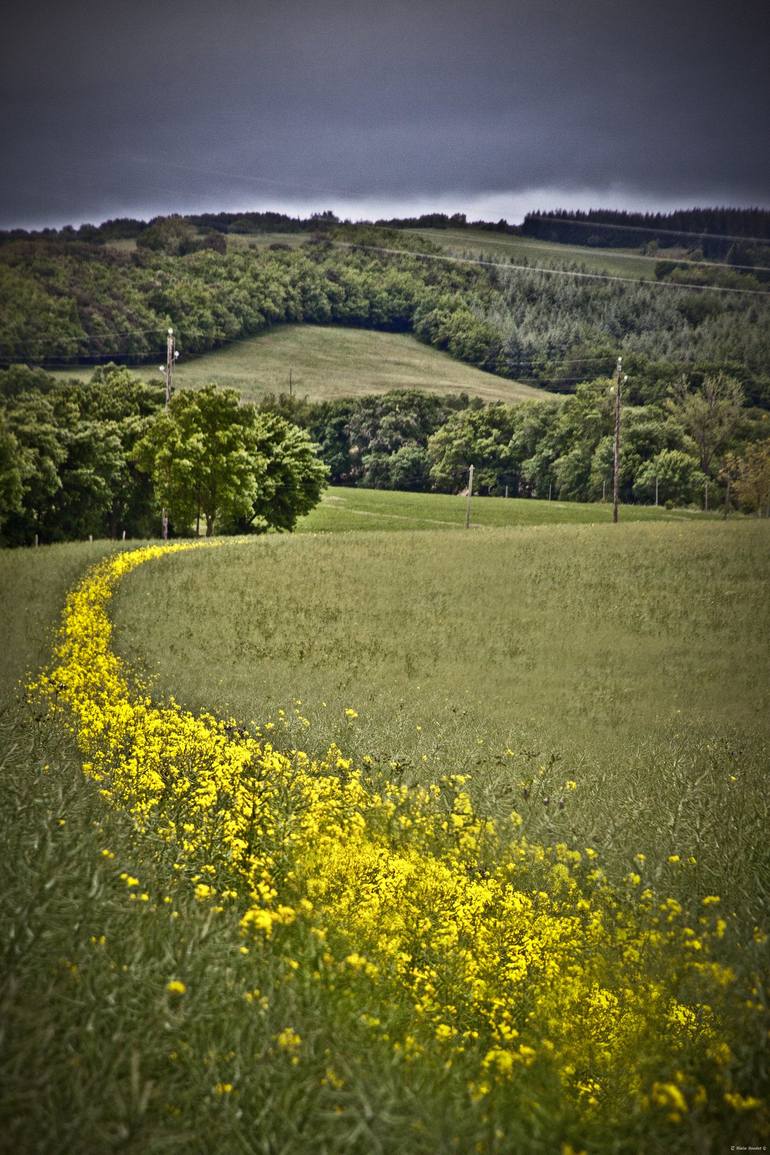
(342, 509)
(609, 683)
(632, 659)
(479, 242)
(333, 361)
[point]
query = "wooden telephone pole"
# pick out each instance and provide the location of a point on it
(168, 372)
(470, 495)
(620, 379)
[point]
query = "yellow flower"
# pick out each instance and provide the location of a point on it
(288, 1039)
(742, 1102)
(668, 1095)
(176, 987)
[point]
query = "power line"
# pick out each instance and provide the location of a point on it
(549, 272)
(648, 229)
(616, 255)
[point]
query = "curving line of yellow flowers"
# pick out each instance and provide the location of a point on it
(517, 961)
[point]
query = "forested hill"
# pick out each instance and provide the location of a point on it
(67, 300)
(738, 236)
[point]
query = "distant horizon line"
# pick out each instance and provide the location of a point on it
(493, 205)
(301, 214)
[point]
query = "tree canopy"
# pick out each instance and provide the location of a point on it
(103, 457)
(76, 300)
(210, 455)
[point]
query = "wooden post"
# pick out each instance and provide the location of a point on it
(706, 497)
(124, 535)
(291, 384)
(470, 495)
(506, 491)
(656, 491)
(550, 487)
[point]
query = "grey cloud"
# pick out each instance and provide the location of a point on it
(103, 103)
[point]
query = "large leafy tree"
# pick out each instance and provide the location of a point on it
(709, 415)
(114, 397)
(483, 438)
(40, 429)
(674, 474)
(11, 487)
(201, 456)
(290, 477)
(211, 456)
(749, 474)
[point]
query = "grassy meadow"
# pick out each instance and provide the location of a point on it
(549, 254)
(608, 684)
(342, 509)
(334, 361)
(631, 660)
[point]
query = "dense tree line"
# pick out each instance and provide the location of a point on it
(68, 301)
(101, 458)
(379, 441)
(411, 441)
(129, 228)
(66, 456)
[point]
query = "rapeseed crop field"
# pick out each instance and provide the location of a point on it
(396, 842)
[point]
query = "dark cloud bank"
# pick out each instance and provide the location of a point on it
(113, 108)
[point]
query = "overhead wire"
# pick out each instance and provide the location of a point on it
(615, 254)
(705, 235)
(549, 271)
(553, 354)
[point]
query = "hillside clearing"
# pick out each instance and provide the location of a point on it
(505, 247)
(326, 362)
(335, 361)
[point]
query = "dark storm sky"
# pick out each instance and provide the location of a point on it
(380, 106)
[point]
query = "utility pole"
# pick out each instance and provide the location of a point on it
(619, 379)
(168, 372)
(470, 495)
